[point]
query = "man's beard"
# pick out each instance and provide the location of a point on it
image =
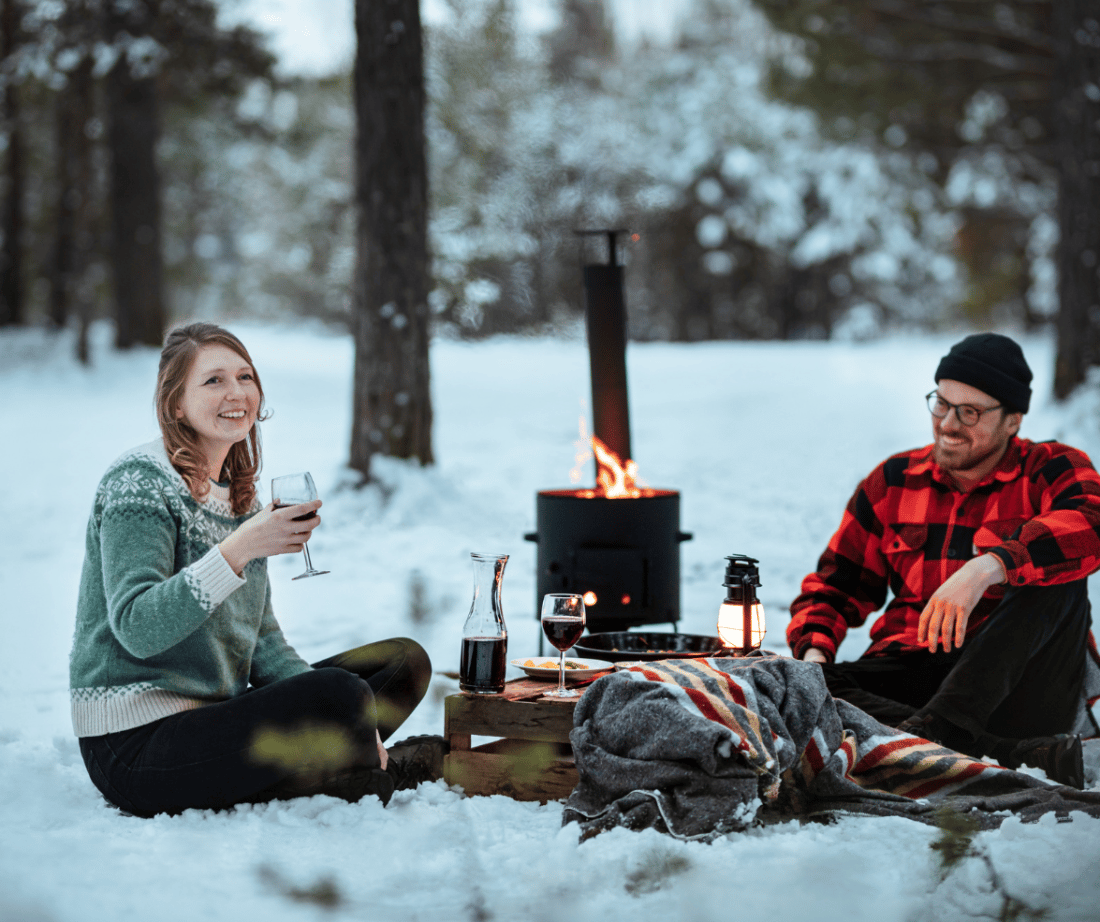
(960, 459)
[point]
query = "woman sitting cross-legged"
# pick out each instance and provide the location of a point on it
(184, 691)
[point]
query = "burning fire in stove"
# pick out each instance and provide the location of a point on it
(622, 557)
(615, 479)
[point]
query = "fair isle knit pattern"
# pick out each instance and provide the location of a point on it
(163, 623)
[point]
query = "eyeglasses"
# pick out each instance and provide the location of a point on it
(964, 412)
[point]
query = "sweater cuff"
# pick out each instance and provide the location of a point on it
(212, 580)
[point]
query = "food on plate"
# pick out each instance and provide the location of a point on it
(553, 664)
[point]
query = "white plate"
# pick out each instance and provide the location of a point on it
(540, 672)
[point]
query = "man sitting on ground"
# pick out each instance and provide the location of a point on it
(984, 540)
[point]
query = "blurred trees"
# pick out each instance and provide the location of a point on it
(392, 408)
(1076, 128)
(748, 223)
(103, 74)
(825, 169)
(11, 209)
(1002, 102)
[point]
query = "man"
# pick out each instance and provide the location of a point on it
(984, 541)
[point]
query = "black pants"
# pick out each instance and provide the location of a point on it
(253, 747)
(1019, 676)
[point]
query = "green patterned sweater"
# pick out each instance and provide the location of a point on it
(163, 623)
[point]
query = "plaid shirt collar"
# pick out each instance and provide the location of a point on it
(1007, 470)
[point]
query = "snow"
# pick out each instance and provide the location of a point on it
(764, 441)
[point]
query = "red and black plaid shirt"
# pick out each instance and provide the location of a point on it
(907, 529)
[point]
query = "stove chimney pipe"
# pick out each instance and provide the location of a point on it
(605, 318)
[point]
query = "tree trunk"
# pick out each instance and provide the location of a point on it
(11, 212)
(1076, 104)
(132, 131)
(73, 235)
(392, 411)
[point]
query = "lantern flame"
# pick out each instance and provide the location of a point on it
(731, 625)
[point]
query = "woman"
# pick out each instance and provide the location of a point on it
(184, 691)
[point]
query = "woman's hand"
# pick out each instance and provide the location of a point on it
(269, 532)
(814, 655)
(947, 613)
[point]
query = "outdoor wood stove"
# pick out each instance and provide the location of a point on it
(618, 545)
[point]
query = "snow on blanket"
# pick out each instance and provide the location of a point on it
(698, 748)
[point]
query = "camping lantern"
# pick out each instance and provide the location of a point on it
(741, 617)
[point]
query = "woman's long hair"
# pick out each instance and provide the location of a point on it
(242, 464)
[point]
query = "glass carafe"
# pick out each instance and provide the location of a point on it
(484, 636)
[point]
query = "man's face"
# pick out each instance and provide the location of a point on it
(971, 452)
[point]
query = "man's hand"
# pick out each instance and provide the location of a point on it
(814, 655)
(947, 613)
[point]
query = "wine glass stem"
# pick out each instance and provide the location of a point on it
(309, 563)
(561, 672)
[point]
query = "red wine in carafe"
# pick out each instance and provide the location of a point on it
(562, 632)
(483, 664)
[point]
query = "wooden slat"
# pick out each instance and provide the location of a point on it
(521, 777)
(544, 719)
(524, 689)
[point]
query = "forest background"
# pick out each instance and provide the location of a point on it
(786, 168)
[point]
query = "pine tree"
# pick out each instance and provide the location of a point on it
(12, 309)
(392, 411)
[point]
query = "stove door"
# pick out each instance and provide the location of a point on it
(617, 577)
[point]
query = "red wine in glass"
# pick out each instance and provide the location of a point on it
(562, 620)
(483, 664)
(292, 490)
(563, 632)
(297, 518)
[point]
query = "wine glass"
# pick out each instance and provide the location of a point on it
(563, 623)
(290, 490)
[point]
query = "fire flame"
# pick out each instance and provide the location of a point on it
(614, 479)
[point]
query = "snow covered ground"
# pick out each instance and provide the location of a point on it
(765, 443)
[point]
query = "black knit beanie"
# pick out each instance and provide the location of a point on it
(992, 363)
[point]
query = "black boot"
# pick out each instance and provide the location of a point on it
(419, 758)
(1061, 757)
(356, 783)
(350, 784)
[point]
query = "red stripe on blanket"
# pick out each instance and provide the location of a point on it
(964, 773)
(849, 747)
(736, 691)
(701, 699)
(713, 707)
(814, 758)
(706, 707)
(884, 751)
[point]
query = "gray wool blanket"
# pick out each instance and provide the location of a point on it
(699, 748)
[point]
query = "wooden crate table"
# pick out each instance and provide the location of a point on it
(530, 757)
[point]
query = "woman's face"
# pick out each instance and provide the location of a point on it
(220, 400)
